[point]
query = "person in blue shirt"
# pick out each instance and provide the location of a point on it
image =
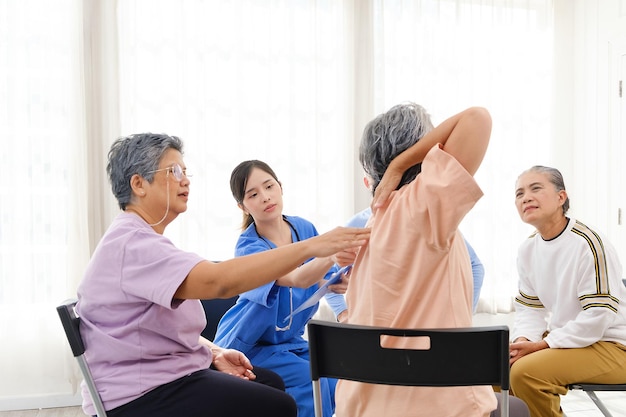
(262, 324)
(478, 270)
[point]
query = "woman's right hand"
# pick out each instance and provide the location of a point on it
(337, 240)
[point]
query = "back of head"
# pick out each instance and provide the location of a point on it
(390, 134)
(136, 154)
(239, 181)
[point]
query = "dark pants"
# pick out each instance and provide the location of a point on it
(213, 393)
(517, 407)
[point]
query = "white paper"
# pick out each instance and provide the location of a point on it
(322, 291)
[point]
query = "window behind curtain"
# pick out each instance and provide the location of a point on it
(449, 55)
(243, 80)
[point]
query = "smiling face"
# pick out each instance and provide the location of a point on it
(263, 196)
(538, 201)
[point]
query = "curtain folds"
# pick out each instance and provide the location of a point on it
(449, 55)
(288, 82)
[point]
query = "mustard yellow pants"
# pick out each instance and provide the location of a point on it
(541, 377)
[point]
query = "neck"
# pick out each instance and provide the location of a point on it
(277, 231)
(553, 229)
(158, 227)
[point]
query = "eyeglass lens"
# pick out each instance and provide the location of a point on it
(177, 171)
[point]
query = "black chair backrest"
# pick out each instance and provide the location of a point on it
(71, 324)
(214, 309)
(355, 352)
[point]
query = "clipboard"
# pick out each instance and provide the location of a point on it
(321, 291)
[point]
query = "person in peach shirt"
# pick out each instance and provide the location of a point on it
(415, 270)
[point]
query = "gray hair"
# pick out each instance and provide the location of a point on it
(136, 154)
(390, 134)
(555, 177)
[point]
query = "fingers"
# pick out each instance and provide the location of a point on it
(384, 189)
(338, 288)
(353, 238)
(345, 257)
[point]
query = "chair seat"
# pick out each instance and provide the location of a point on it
(599, 387)
(591, 389)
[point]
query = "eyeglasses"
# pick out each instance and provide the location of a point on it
(177, 172)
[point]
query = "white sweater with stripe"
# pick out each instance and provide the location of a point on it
(572, 287)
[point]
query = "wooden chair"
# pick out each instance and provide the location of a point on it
(71, 325)
(355, 353)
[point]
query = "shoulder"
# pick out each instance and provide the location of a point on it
(250, 242)
(587, 236)
(127, 227)
(529, 241)
(301, 224)
(360, 219)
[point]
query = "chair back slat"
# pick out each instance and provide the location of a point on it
(356, 353)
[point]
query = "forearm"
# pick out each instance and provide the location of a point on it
(215, 349)
(234, 276)
(307, 274)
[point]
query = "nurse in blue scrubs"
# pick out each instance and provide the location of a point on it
(261, 323)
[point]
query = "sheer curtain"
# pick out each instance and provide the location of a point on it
(288, 82)
(255, 79)
(42, 215)
(448, 55)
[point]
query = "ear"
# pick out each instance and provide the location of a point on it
(562, 197)
(243, 208)
(366, 181)
(280, 184)
(137, 185)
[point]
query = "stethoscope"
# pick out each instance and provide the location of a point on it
(267, 242)
(269, 245)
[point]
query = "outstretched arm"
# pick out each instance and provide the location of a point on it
(234, 276)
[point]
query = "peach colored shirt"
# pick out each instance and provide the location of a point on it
(415, 273)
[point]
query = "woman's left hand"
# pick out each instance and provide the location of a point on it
(523, 347)
(233, 362)
(342, 286)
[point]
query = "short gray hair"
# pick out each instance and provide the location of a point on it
(390, 134)
(555, 177)
(136, 154)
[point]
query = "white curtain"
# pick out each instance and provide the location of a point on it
(243, 80)
(288, 82)
(43, 216)
(448, 55)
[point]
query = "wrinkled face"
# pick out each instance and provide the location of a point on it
(537, 199)
(263, 197)
(166, 190)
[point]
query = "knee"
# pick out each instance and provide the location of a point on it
(518, 374)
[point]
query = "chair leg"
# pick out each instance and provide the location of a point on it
(599, 403)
